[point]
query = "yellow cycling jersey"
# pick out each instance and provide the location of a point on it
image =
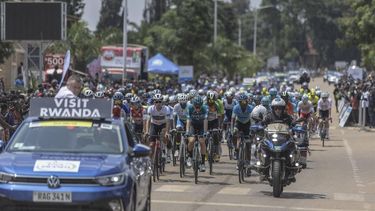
(314, 99)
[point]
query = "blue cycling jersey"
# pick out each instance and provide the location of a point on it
(242, 116)
(197, 116)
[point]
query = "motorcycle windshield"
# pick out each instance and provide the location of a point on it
(278, 139)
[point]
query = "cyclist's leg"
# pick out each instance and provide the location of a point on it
(246, 130)
(153, 133)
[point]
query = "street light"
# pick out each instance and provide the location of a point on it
(256, 26)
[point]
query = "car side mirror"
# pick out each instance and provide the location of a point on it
(141, 150)
(2, 145)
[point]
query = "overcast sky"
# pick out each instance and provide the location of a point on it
(92, 11)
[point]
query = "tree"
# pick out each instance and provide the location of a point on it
(6, 50)
(110, 15)
(359, 27)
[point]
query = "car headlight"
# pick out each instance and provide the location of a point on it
(5, 178)
(117, 179)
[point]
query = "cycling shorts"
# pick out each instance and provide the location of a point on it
(244, 127)
(324, 114)
(156, 130)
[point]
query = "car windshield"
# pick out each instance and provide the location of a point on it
(68, 137)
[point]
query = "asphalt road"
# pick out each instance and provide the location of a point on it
(340, 176)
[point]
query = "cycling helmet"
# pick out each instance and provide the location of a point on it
(210, 95)
(157, 97)
(242, 97)
(197, 101)
(87, 93)
(122, 90)
(318, 93)
(284, 96)
(165, 98)
(182, 98)
(305, 85)
(305, 98)
(118, 96)
(99, 94)
(128, 96)
(273, 92)
(172, 99)
(278, 102)
(100, 87)
(201, 92)
(265, 101)
(325, 95)
(193, 93)
(157, 91)
(135, 100)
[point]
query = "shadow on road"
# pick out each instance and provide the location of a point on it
(297, 195)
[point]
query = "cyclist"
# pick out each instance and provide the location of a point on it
(288, 105)
(324, 109)
(260, 111)
(118, 111)
(241, 120)
(158, 121)
(180, 116)
(137, 117)
(214, 119)
(197, 123)
(229, 103)
(273, 93)
(313, 99)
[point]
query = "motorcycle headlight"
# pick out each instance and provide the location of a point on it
(111, 180)
(5, 178)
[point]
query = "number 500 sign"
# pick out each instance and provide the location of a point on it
(51, 60)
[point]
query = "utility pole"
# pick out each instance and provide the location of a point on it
(239, 31)
(215, 21)
(125, 40)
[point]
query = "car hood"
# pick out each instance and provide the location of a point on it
(45, 164)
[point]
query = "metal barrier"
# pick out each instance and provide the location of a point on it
(363, 105)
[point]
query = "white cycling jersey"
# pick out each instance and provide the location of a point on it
(305, 107)
(324, 105)
(158, 117)
(180, 112)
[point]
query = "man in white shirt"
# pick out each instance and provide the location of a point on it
(72, 89)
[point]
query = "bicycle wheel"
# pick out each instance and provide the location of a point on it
(196, 164)
(210, 151)
(241, 157)
(155, 170)
(322, 134)
(174, 148)
(230, 147)
(182, 159)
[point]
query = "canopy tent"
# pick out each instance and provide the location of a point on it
(161, 65)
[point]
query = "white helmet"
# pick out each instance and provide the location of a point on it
(278, 102)
(325, 95)
(259, 112)
(182, 98)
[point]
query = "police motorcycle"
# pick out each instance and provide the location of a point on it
(278, 157)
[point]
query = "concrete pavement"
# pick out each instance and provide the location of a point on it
(340, 176)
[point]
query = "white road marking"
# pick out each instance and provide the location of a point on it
(218, 204)
(173, 188)
(349, 197)
(234, 191)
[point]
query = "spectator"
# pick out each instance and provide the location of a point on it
(19, 82)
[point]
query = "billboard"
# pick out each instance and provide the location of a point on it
(111, 56)
(33, 21)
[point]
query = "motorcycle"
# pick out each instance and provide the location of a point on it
(278, 157)
(300, 137)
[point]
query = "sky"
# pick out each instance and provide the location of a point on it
(135, 7)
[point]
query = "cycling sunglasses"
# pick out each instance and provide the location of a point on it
(157, 101)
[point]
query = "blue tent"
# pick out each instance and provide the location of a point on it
(161, 65)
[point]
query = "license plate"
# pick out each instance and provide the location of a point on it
(65, 197)
(277, 148)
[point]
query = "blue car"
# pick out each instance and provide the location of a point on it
(74, 164)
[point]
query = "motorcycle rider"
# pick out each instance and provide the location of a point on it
(278, 114)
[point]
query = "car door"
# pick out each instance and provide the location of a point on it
(139, 167)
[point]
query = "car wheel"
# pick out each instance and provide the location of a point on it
(148, 202)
